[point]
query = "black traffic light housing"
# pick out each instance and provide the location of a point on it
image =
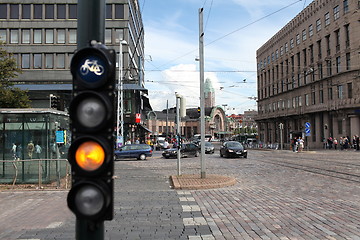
(92, 116)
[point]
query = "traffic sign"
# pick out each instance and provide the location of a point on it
(307, 124)
(307, 130)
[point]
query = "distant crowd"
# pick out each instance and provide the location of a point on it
(343, 143)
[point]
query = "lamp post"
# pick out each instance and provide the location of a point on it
(120, 99)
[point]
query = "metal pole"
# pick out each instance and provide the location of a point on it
(90, 26)
(91, 22)
(202, 96)
(120, 97)
(178, 133)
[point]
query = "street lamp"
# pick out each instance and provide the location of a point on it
(120, 99)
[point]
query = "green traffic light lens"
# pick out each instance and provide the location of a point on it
(89, 200)
(91, 112)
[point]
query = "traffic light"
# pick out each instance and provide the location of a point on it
(199, 109)
(92, 115)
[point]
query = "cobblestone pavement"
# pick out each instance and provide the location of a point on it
(278, 195)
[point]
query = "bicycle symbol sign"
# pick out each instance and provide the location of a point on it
(91, 66)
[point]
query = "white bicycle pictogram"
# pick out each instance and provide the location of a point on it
(91, 66)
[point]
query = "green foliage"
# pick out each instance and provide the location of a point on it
(10, 97)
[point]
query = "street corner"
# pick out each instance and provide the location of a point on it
(195, 182)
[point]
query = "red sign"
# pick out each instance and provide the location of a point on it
(137, 118)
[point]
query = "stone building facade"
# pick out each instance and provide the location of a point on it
(309, 75)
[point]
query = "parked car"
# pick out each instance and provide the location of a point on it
(233, 149)
(186, 150)
(139, 151)
(209, 147)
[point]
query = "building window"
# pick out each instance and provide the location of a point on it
(281, 50)
(14, 11)
(340, 92)
(49, 36)
(108, 11)
(311, 30)
(72, 36)
(3, 35)
(297, 39)
(37, 11)
(318, 25)
(346, 6)
(119, 33)
(327, 19)
(119, 11)
(291, 43)
(329, 69)
(327, 38)
(347, 61)
(25, 60)
(14, 36)
(320, 71)
(304, 35)
(25, 36)
(60, 36)
(330, 93)
(347, 36)
(349, 88)
(3, 11)
(307, 100)
(49, 61)
(313, 98)
(61, 11)
(337, 40)
(72, 11)
(25, 11)
(49, 11)
(37, 36)
(60, 61)
(108, 35)
(336, 12)
(321, 96)
(338, 62)
(37, 61)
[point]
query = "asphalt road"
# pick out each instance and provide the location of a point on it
(278, 195)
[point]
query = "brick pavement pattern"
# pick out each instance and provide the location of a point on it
(271, 200)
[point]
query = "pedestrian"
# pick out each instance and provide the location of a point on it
(357, 143)
(38, 150)
(330, 142)
(13, 151)
(293, 144)
(30, 149)
(300, 144)
(335, 143)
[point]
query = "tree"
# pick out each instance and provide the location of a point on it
(10, 96)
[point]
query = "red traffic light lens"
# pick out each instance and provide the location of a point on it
(90, 156)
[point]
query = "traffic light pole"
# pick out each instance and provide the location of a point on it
(90, 26)
(202, 95)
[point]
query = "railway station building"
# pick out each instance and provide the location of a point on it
(308, 76)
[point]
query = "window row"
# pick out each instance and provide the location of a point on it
(45, 60)
(308, 99)
(52, 11)
(304, 35)
(52, 36)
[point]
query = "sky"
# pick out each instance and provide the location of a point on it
(233, 31)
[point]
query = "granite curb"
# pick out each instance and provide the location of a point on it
(195, 182)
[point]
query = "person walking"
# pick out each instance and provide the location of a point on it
(335, 143)
(300, 144)
(30, 149)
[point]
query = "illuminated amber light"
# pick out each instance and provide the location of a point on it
(90, 156)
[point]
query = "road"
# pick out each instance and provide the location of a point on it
(278, 195)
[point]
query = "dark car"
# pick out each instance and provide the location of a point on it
(233, 149)
(139, 151)
(186, 150)
(209, 147)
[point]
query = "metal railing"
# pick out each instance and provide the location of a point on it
(53, 173)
